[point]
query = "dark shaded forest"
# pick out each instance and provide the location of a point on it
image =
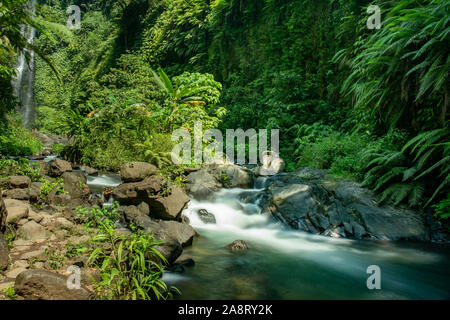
(368, 105)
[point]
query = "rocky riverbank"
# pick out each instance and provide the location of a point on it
(310, 200)
(42, 234)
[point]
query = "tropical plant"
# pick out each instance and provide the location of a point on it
(400, 72)
(131, 267)
(420, 171)
(191, 96)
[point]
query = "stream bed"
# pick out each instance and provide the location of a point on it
(285, 264)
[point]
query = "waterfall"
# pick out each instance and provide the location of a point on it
(23, 83)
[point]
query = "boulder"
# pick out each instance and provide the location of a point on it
(45, 285)
(162, 230)
(170, 249)
(44, 168)
(4, 253)
(15, 214)
(272, 164)
(32, 231)
(181, 232)
(137, 171)
(201, 184)
(19, 182)
(90, 171)
(50, 139)
(233, 176)
(206, 217)
(58, 167)
(132, 214)
(63, 223)
(237, 246)
(22, 194)
(138, 192)
(307, 200)
(14, 210)
(168, 207)
(75, 184)
(144, 208)
(164, 201)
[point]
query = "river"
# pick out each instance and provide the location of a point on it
(284, 264)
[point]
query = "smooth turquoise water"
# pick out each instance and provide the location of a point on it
(283, 264)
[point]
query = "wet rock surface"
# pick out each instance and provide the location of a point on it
(307, 200)
(204, 182)
(238, 246)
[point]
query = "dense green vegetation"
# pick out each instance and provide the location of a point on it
(369, 105)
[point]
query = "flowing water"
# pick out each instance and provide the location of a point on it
(284, 264)
(24, 81)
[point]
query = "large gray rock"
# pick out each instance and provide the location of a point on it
(137, 171)
(50, 139)
(181, 232)
(19, 182)
(32, 231)
(171, 250)
(58, 167)
(306, 200)
(15, 214)
(162, 230)
(15, 210)
(165, 201)
(4, 253)
(138, 192)
(75, 184)
(168, 207)
(44, 168)
(203, 183)
(45, 285)
(21, 194)
(238, 245)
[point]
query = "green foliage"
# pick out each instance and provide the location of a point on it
(131, 267)
(400, 72)
(443, 209)
(55, 259)
(344, 97)
(19, 167)
(10, 293)
(18, 141)
(419, 172)
(132, 270)
(157, 149)
(49, 186)
(96, 217)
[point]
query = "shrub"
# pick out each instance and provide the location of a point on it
(338, 152)
(19, 167)
(17, 141)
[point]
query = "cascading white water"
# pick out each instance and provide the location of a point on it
(288, 264)
(24, 82)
